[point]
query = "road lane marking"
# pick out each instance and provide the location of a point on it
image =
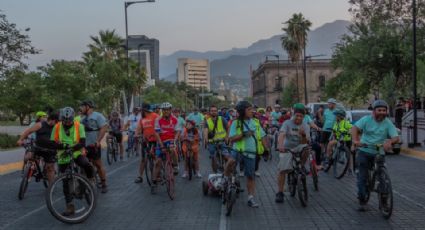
(44, 206)
(409, 199)
(10, 167)
(223, 218)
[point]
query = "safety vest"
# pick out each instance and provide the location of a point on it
(343, 126)
(220, 132)
(240, 145)
(58, 137)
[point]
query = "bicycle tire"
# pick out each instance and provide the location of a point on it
(302, 190)
(109, 154)
(292, 184)
(231, 199)
(370, 185)
(170, 183)
(115, 154)
(24, 181)
(189, 165)
(149, 170)
(385, 194)
(59, 182)
(315, 176)
(342, 154)
(42, 169)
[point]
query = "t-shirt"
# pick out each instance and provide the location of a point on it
(275, 117)
(180, 123)
(115, 125)
(133, 119)
(374, 132)
(307, 119)
(329, 119)
(166, 128)
(92, 124)
(196, 117)
(292, 133)
(148, 126)
(250, 143)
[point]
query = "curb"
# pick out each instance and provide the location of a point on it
(413, 152)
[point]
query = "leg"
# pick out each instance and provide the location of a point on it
(281, 177)
(50, 172)
(362, 164)
(212, 150)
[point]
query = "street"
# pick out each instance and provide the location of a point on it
(131, 206)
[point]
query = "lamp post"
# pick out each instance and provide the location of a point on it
(185, 82)
(278, 72)
(305, 73)
(415, 108)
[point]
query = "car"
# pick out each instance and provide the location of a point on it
(313, 107)
(354, 115)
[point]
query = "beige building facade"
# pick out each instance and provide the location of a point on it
(194, 72)
(270, 78)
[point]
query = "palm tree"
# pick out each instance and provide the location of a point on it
(295, 40)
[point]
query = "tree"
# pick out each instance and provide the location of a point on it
(295, 40)
(14, 47)
(289, 94)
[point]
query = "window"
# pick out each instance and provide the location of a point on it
(322, 81)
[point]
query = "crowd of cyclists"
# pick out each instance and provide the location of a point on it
(250, 132)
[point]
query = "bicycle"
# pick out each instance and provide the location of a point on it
(297, 177)
(131, 144)
(314, 170)
(218, 159)
(231, 189)
(189, 159)
(340, 159)
(167, 172)
(34, 167)
(150, 158)
(71, 185)
(379, 181)
(112, 148)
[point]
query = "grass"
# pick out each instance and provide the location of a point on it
(8, 141)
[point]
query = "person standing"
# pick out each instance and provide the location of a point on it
(399, 112)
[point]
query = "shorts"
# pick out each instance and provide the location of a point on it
(285, 162)
(48, 157)
(147, 146)
(249, 165)
(325, 137)
(167, 144)
(94, 153)
(117, 135)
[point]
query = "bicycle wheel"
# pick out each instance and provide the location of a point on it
(26, 176)
(315, 176)
(189, 165)
(115, 155)
(385, 194)
(149, 170)
(370, 184)
(231, 199)
(80, 193)
(109, 154)
(341, 162)
(169, 172)
(292, 183)
(302, 190)
(41, 168)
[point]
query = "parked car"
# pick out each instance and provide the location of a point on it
(313, 107)
(354, 115)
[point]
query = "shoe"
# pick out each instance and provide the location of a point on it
(104, 188)
(258, 174)
(241, 174)
(184, 175)
(362, 206)
(176, 170)
(198, 175)
(138, 180)
(70, 210)
(279, 197)
(252, 203)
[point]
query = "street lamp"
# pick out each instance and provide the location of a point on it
(415, 94)
(278, 70)
(305, 73)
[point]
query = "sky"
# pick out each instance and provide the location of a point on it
(62, 28)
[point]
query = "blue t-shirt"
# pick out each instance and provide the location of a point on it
(134, 120)
(92, 124)
(329, 119)
(374, 132)
(307, 119)
(197, 118)
(275, 117)
(250, 145)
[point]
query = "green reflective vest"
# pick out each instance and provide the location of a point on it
(59, 135)
(220, 131)
(240, 145)
(343, 126)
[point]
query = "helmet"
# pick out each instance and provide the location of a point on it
(261, 110)
(277, 106)
(88, 103)
(242, 105)
(331, 101)
(115, 114)
(40, 114)
(379, 103)
(147, 107)
(298, 106)
(67, 114)
(166, 105)
(339, 112)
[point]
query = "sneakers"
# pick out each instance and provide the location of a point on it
(241, 174)
(138, 180)
(279, 197)
(70, 210)
(258, 174)
(184, 175)
(362, 206)
(198, 175)
(252, 203)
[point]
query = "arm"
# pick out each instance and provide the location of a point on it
(28, 131)
(280, 141)
(355, 135)
(101, 135)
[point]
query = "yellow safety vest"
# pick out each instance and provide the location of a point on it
(220, 132)
(240, 145)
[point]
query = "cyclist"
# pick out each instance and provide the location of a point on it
(341, 126)
(215, 134)
(70, 133)
(190, 133)
(39, 116)
(274, 120)
(95, 127)
(43, 131)
(116, 126)
(374, 129)
(198, 118)
(166, 133)
(328, 122)
(146, 127)
(248, 140)
(292, 133)
(131, 126)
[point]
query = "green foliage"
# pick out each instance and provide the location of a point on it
(8, 141)
(289, 96)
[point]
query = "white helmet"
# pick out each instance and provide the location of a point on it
(166, 105)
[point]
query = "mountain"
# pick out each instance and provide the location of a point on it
(321, 41)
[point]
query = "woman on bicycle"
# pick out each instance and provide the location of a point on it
(116, 125)
(190, 136)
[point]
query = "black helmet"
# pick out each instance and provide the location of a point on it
(88, 103)
(242, 105)
(146, 107)
(340, 112)
(379, 103)
(67, 114)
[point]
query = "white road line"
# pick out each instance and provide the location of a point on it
(44, 206)
(223, 218)
(409, 199)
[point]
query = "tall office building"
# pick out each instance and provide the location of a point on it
(194, 72)
(145, 51)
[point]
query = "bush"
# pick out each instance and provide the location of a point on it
(8, 141)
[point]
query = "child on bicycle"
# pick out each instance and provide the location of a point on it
(341, 127)
(190, 136)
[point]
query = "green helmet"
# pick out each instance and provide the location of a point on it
(339, 112)
(40, 114)
(298, 106)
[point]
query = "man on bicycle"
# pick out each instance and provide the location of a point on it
(328, 122)
(146, 127)
(248, 140)
(70, 134)
(116, 126)
(292, 133)
(43, 131)
(341, 127)
(166, 133)
(374, 129)
(131, 126)
(215, 134)
(95, 127)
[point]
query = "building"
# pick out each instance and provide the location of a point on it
(194, 72)
(146, 52)
(225, 94)
(271, 77)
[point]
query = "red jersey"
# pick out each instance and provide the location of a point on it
(148, 126)
(166, 128)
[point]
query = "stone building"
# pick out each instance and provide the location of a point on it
(194, 72)
(270, 78)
